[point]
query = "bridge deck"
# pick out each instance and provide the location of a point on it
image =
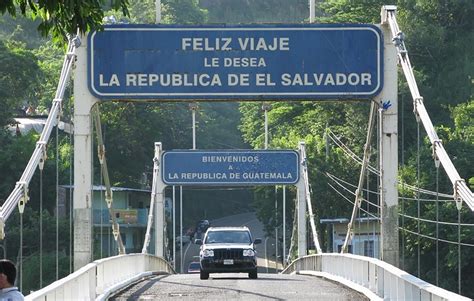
(237, 287)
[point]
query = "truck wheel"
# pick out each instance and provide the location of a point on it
(253, 275)
(204, 275)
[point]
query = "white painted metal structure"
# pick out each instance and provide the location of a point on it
(157, 206)
(303, 188)
(83, 103)
(462, 193)
(388, 149)
(19, 195)
(96, 280)
(108, 188)
(375, 278)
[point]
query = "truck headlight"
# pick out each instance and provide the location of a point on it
(249, 253)
(208, 253)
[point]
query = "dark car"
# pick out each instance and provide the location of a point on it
(194, 267)
(202, 226)
(228, 250)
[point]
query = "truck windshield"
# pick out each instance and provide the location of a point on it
(236, 237)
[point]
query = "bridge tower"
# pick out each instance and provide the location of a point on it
(83, 103)
(388, 150)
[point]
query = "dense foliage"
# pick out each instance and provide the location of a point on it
(439, 37)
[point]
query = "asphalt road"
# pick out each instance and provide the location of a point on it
(237, 287)
(265, 260)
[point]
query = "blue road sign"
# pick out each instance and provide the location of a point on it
(230, 167)
(271, 62)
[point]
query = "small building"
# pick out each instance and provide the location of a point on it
(131, 211)
(364, 239)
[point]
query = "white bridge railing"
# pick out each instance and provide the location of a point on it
(382, 279)
(95, 280)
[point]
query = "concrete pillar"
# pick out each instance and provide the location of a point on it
(301, 210)
(160, 223)
(159, 206)
(388, 149)
(82, 204)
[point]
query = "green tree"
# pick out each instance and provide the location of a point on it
(63, 17)
(19, 78)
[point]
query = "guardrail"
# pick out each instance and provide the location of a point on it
(381, 278)
(97, 277)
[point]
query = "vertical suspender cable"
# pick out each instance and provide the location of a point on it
(101, 154)
(181, 227)
(101, 214)
(312, 6)
(57, 200)
(70, 200)
(367, 224)
(294, 231)
(109, 242)
(276, 229)
(459, 250)
(363, 169)
(402, 201)
(174, 227)
(437, 226)
(41, 230)
(20, 252)
(359, 238)
(418, 196)
(92, 191)
(379, 188)
(284, 226)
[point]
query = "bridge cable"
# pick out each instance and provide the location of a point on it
(338, 180)
(402, 202)
(18, 194)
(71, 151)
(57, 196)
(459, 250)
(434, 221)
(154, 184)
(108, 189)
(304, 164)
(101, 212)
(20, 252)
(41, 228)
(373, 170)
(418, 195)
(437, 222)
(365, 163)
(461, 191)
(351, 202)
(464, 244)
(293, 232)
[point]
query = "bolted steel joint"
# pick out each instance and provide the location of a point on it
(24, 198)
(109, 199)
(436, 144)
(456, 195)
(266, 106)
(116, 230)
(101, 153)
(2, 229)
(417, 101)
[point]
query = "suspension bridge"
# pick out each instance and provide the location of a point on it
(373, 271)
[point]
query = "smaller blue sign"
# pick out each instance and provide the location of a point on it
(230, 167)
